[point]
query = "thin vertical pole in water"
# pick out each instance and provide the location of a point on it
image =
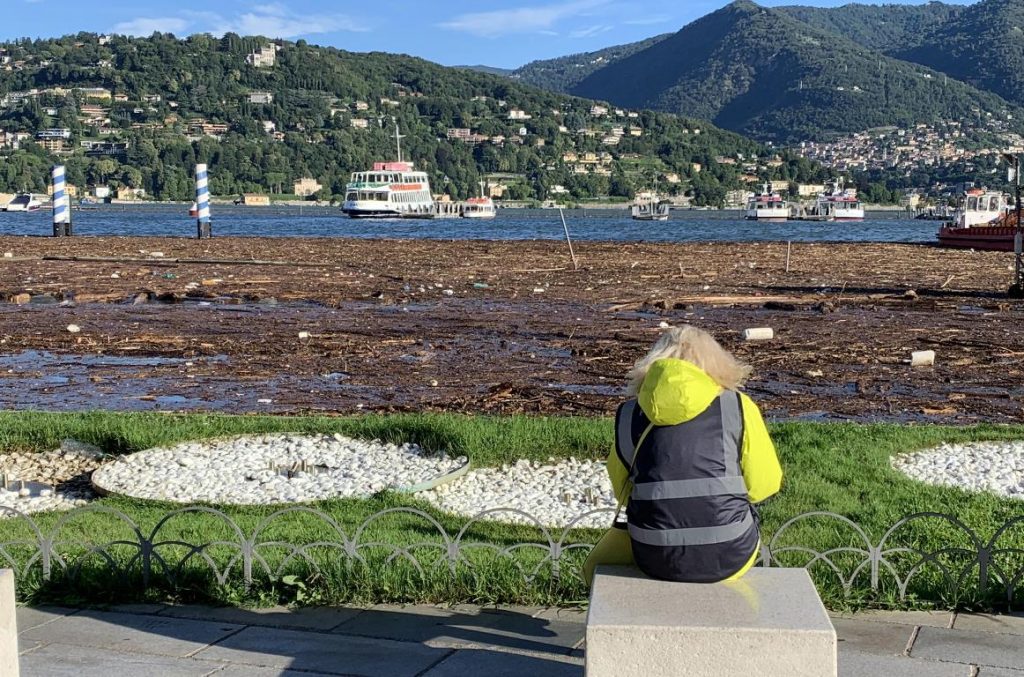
(203, 228)
(61, 206)
(789, 249)
(575, 265)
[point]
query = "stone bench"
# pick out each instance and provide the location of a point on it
(8, 626)
(770, 623)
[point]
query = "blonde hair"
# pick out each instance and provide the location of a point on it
(697, 347)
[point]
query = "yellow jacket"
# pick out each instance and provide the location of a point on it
(676, 391)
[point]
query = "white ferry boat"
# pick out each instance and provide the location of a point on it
(389, 189)
(478, 207)
(648, 207)
(24, 202)
(839, 204)
(767, 206)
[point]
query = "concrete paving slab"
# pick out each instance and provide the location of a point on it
(127, 632)
(311, 618)
(253, 671)
(32, 617)
(931, 619)
(857, 664)
(323, 652)
(466, 627)
(61, 660)
(471, 662)
(558, 614)
(1007, 624)
(880, 639)
(999, 672)
(136, 608)
(404, 623)
(964, 646)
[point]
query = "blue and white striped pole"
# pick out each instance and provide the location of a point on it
(203, 227)
(61, 205)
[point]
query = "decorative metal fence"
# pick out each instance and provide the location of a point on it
(922, 555)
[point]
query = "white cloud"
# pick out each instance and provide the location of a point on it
(522, 20)
(279, 25)
(648, 21)
(590, 31)
(273, 20)
(147, 26)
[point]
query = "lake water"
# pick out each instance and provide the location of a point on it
(514, 224)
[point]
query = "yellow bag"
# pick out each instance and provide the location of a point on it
(613, 548)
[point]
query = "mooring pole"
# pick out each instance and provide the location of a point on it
(1018, 241)
(1017, 288)
(575, 266)
(61, 206)
(203, 227)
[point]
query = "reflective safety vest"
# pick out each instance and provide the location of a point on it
(689, 517)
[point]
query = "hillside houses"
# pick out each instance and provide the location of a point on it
(923, 145)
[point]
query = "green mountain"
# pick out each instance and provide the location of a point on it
(564, 73)
(490, 70)
(982, 45)
(140, 112)
(886, 28)
(763, 73)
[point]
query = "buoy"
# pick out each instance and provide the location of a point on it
(922, 358)
(758, 334)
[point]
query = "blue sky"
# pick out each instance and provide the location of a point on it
(450, 32)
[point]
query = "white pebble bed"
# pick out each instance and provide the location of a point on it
(997, 467)
(555, 493)
(36, 498)
(236, 471)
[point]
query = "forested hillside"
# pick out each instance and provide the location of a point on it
(140, 112)
(564, 73)
(763, 73)
(887, 28)
(982, 45)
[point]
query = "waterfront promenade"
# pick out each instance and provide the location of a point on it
(430, 641)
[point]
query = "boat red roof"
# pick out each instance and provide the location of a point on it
(392, 167)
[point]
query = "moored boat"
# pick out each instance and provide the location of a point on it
(390, 189)
(648, 207)
(767, 206)
(478, 207)
(840, 204)
(24, 202)
(982, 221)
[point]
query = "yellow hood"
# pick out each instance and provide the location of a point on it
(675, 391)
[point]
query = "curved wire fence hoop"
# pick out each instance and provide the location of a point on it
(961, 562)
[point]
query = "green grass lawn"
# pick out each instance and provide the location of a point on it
(840, 468)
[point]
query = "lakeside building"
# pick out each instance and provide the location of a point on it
(255, 200)
(306, 186)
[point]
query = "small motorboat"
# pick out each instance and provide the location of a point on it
(24, 202)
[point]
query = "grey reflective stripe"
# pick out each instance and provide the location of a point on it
(624, 432)
(696, 488)
(732, 424)
(692, 535)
